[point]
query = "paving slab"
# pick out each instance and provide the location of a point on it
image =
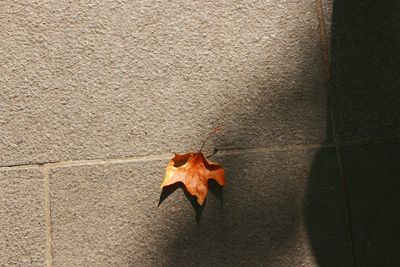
(110, 79)
(325, 212)
(107, 215)
(365, 67)
(22, 234)
(373, 173)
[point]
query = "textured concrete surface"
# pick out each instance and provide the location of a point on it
(112, 79)
(325, 213)
(375, 202)
(22, 228)
(365, 96)
(93, 94)
(365, 67)
(107, 215)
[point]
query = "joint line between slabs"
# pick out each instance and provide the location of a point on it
(47, 215)
(325, 58)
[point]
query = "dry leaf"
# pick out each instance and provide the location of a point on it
(193, 170)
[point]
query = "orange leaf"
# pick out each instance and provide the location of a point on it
(193, 170)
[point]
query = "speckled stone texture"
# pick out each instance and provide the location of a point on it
(107, 79)
(107, 215)
(373, 185)
(366, 100)
(95, 94)
(365, 67)
(22, 231)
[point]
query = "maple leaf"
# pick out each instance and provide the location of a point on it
(193, 170)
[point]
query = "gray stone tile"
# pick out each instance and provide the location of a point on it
(22, 234)
(365, 68)
(373, 173)
(116, 79)
(107, 215)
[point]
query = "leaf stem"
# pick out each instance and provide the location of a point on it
(209, 136)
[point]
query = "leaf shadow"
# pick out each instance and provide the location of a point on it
(216, 189)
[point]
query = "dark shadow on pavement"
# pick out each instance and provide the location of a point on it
(213, 186)
(365, 99)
